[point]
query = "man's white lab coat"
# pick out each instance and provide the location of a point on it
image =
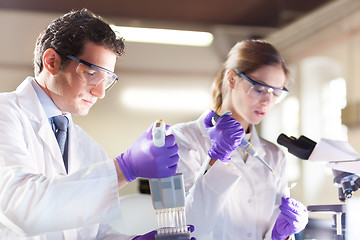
(239, 200)
(37, 199)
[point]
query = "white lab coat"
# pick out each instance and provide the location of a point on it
(38, 200)
(238, 200)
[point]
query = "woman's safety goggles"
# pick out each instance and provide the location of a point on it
(94, 75)
(261, 91)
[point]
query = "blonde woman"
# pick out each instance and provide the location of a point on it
(231, 195)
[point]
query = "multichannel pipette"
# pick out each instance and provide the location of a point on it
(245, 144)
(168, 197)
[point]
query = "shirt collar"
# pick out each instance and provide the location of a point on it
(49, 106)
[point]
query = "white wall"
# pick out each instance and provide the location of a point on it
(320, 48)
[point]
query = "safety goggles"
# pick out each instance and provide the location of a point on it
(260, 91)
(94, 75)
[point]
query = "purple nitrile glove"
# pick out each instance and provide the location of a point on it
(144, 159)
(147, 236)
(292, 219)
(151, 235)
(225, 136)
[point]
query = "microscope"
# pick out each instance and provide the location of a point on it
(343, 161)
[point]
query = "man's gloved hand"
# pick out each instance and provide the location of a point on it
(147, 236)
(144, 159)
(151, 235)
(292, 219)
(225, 136)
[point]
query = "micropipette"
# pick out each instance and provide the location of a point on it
(168, 197)
(245, 144)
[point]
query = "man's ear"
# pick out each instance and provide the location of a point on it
(230, 78)
(51, 61)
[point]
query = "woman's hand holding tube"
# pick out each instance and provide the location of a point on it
(144, 159)
(225, 136)
(292, 219)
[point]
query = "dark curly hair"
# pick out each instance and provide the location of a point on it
(69, 33)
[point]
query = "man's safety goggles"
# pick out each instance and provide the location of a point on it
(94, 75)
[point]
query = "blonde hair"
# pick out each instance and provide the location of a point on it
(246, 56)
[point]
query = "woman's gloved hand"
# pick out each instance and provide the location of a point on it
(225, 136)
(292, 219)
(144, 159)
(151, 235)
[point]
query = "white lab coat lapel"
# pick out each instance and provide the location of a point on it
(76, 154)
(31, 106)
(255, 141)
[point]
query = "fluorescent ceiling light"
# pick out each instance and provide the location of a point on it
(164, 36)
(150, 99)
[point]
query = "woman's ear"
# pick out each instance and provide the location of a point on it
(51, 61)
(230, 78)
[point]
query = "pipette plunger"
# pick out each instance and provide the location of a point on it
(168, 197)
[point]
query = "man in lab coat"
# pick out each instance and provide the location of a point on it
(53, 191)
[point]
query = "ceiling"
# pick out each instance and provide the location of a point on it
(259, 13)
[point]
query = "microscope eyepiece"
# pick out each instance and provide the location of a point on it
(301, 148)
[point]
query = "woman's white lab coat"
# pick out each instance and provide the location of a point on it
(37, 199)
(239, 200)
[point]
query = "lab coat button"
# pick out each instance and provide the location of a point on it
(249, 235)
(249, 201)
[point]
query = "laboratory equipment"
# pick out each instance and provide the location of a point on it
(343, 161)
(245, 144)
(159, 133)
(340, 156)
(168, 197)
